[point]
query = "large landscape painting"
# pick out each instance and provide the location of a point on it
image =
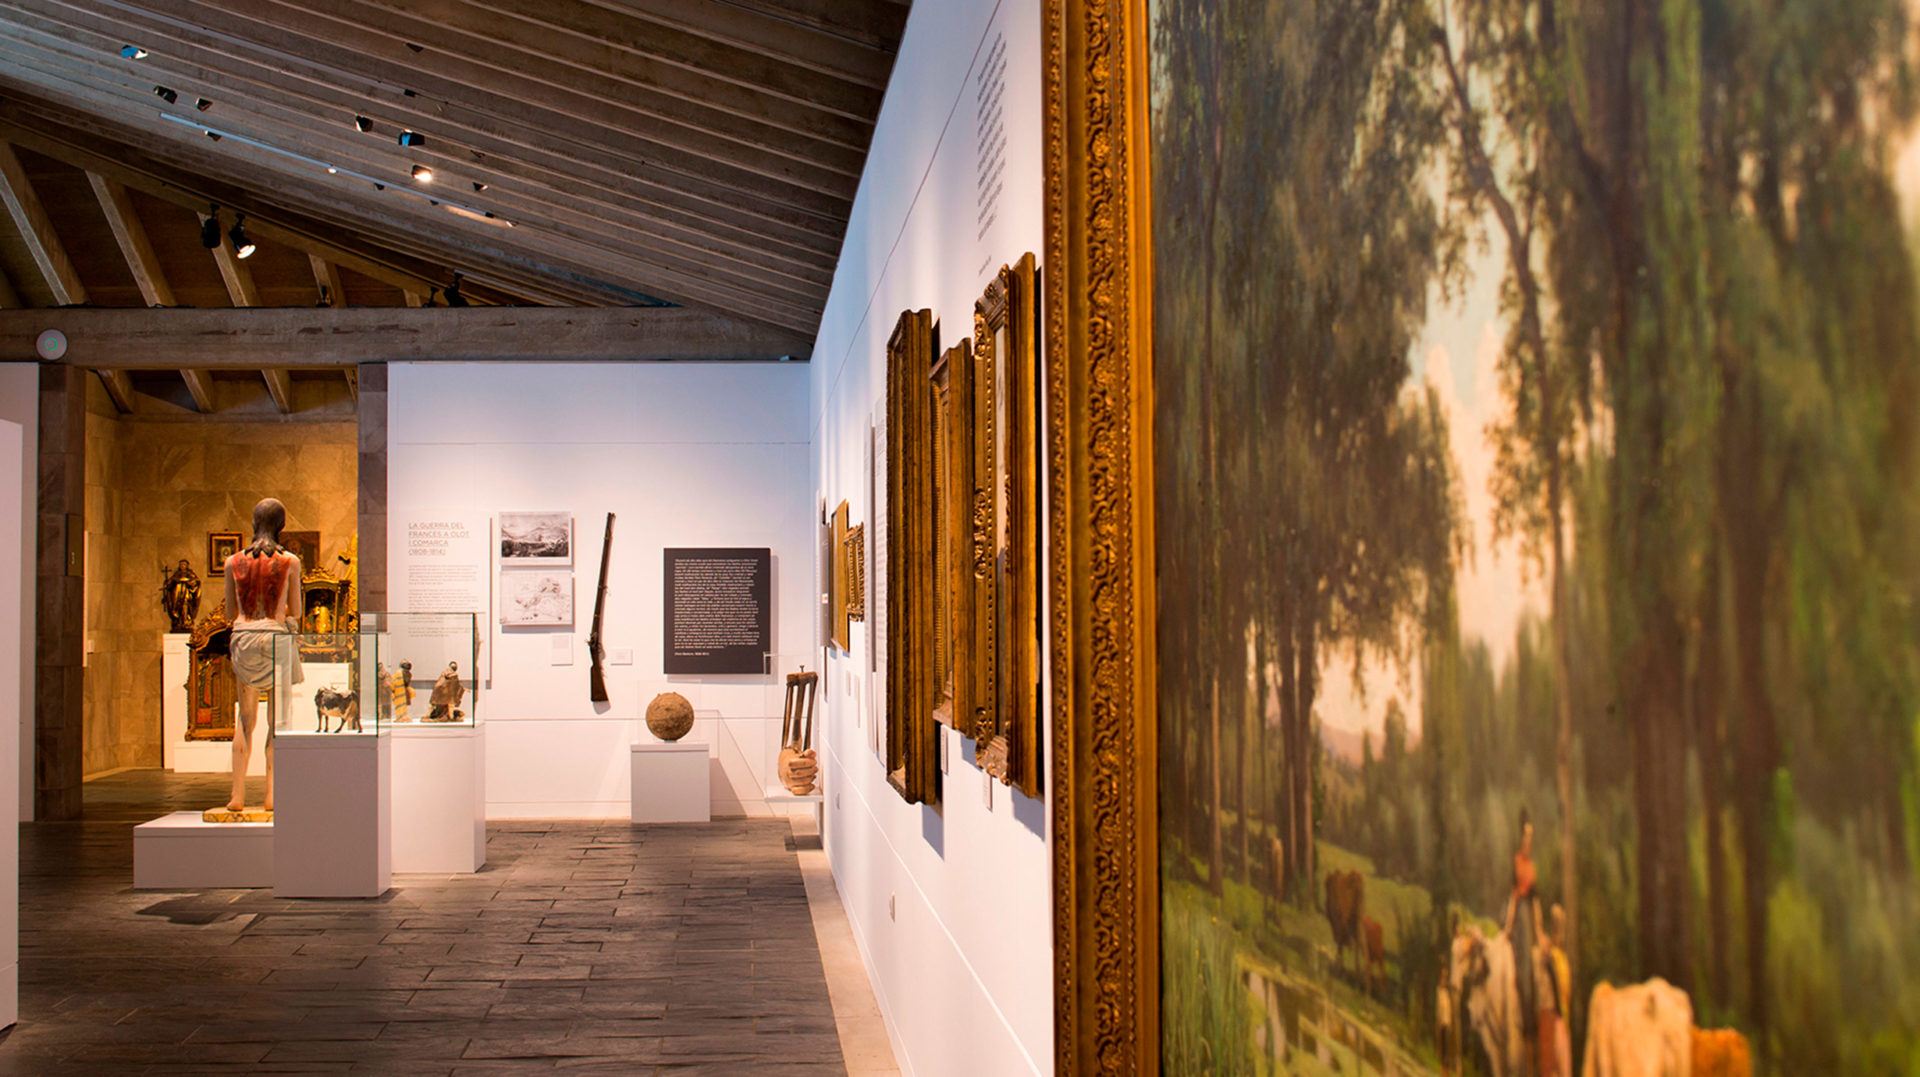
(1537, 451)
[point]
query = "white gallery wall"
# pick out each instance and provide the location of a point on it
(20, 404)
(951, 906)
(684, 455)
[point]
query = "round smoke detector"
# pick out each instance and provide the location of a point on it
(51, 344)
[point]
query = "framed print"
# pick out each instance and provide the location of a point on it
(536, 597)
(537, 539)
(912, 669)
(220, 546)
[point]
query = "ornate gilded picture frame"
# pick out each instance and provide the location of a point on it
(838, 586)
(1005, 539)
(1098, 400)
(220, 546)
(911, 675)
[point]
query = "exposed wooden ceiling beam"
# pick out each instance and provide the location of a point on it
(234, 271)
(528, 163)
(280, 384)
(119, 389)
(285, 337)
(28, 127)
(132, 237)
(36, 230)
(326, 277)
(200, 385)
(416, 299)
(353, 381)
(870, 22)
(9, 299)
(761, 301)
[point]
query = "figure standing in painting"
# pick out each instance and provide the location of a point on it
(1521, 926)
(263, 591)
(180, 597)
(1553, 985)
(446, 697)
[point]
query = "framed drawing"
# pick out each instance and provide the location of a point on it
(966, 651)
(854, 552)
(536, 597)
(912, 669)
(306, 546)
(536, 539)
(220, 546)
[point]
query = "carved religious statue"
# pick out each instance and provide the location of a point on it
(402, 687)
(443, 704)
(263, 591)
(180, 597)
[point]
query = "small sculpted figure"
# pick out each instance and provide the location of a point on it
(263, 591)
(403, 692)
(180, 597)
(444, 703)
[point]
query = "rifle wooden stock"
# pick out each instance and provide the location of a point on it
(597, 674)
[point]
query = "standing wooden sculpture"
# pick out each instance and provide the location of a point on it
(799, 768)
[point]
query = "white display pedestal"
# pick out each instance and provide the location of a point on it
(183, 852)
(177, 753)
(332, 813)
(672, 783)
(439, 798)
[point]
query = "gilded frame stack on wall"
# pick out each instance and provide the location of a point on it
(911, 731)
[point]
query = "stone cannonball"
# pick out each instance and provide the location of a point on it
(669, 716)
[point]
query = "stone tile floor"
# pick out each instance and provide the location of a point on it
(584, 947)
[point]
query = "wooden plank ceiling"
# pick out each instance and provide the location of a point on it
(700, 153)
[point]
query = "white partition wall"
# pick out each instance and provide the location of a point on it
(685, 455)
(13, 532)
(20, 404)
(951, 908)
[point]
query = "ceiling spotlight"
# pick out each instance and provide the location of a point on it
(210, 228)
(132, 52)
(478, 186)
(242, 246)
(422, 174)
(362, 124)
(412, 138)
(331, 170)
(215, 135)
(454, 298)
(166, 95)
(203, 104)
(379, 186)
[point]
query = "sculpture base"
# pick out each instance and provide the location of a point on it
(246, 815)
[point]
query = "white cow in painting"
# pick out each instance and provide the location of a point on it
(1481, 974)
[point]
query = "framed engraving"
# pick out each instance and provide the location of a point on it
(913, 667)
(837, 624)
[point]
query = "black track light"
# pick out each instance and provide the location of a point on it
(362, 124)
(478, 186)
(164, 94)
(454, 298)
(422, 174)
(412, 139)
(203, 104)
(215, 135)
(132, 52)
(210, 228)
(379, 186)
(242, 246)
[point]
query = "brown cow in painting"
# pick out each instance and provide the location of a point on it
(1346, 894)
(1373, 947)
(1721, 1052)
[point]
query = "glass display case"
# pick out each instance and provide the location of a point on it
(433, 666)
(398, 668)
(325, 683)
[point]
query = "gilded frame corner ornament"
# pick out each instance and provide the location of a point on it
(1099, 399)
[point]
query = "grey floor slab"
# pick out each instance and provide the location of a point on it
(584, 947)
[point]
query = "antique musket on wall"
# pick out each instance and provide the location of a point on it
(596, 649)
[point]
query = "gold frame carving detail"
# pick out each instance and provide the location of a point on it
(1005, 532)
(1099, 407)
(912, 733)
(839, 586)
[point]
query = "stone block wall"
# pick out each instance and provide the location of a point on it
(155, 488)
